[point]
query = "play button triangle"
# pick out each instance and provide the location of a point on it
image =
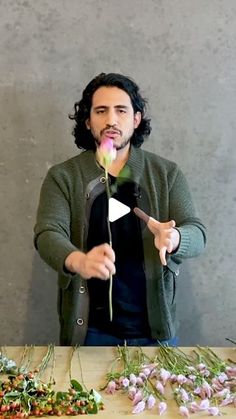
(116, 209)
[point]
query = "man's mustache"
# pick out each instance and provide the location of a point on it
(111, 130)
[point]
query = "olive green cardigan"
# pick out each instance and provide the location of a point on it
(62, 224)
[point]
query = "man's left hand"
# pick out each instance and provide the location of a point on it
(166, 237)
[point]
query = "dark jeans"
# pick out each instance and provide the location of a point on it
(97, 338)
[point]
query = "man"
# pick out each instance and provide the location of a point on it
(71, 232)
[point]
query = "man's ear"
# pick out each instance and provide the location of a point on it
(87, 123)
(137, 119)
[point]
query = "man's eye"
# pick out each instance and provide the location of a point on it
(100, 111)
(122, 110)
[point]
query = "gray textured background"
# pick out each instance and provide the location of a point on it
(183, 55)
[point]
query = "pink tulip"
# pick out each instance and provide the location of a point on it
(106, 152)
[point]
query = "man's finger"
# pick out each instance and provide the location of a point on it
(162, 254)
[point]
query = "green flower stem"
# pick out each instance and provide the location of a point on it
(45, 361)
(155, 391)
(81, 371)
(26, 358)
(110, 243)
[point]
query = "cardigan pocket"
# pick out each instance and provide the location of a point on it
(169, 279)
(72, 307)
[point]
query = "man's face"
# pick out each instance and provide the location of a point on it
(112, 115)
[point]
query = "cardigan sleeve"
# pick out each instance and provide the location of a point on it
(52, 228)
(192, 230)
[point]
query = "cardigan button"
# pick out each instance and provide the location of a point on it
(81, 289)
(177, 272)
(102, 179)
(80, 322)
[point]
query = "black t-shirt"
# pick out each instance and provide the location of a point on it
(129, 282)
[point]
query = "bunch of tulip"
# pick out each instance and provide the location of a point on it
(201, 382)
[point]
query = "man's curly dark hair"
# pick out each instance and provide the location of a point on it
(83, 136)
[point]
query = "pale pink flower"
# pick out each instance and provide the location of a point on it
(133, 378)
(142, 376)
(173, 378)
(153, 373)
(205, 372)
(139, 382)
(151, 401)
(216, 385)
(201, 366)
(120, 381)
(192, 377)
(162, 407)
(164, 375)
(197, 390)
(137, 397)
(207, 388)
(213, 411)
(223, 393)
(111, 387)
(140, 406)
(194, 407)
(184, 411)
(231, 372)
(125, 382)
(131, 392)
(228, 400)
(222, 377)
(184, 395)
(204, 404)
(146, 371)
(181, 379)
(159, 386)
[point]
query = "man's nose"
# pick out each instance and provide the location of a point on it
(111, 119)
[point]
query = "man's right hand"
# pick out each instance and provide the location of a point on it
(97, 263)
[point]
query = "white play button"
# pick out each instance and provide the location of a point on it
(116, 209)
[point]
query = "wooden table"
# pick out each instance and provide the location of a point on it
(96, 362)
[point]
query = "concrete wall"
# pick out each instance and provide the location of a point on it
(183, 55)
